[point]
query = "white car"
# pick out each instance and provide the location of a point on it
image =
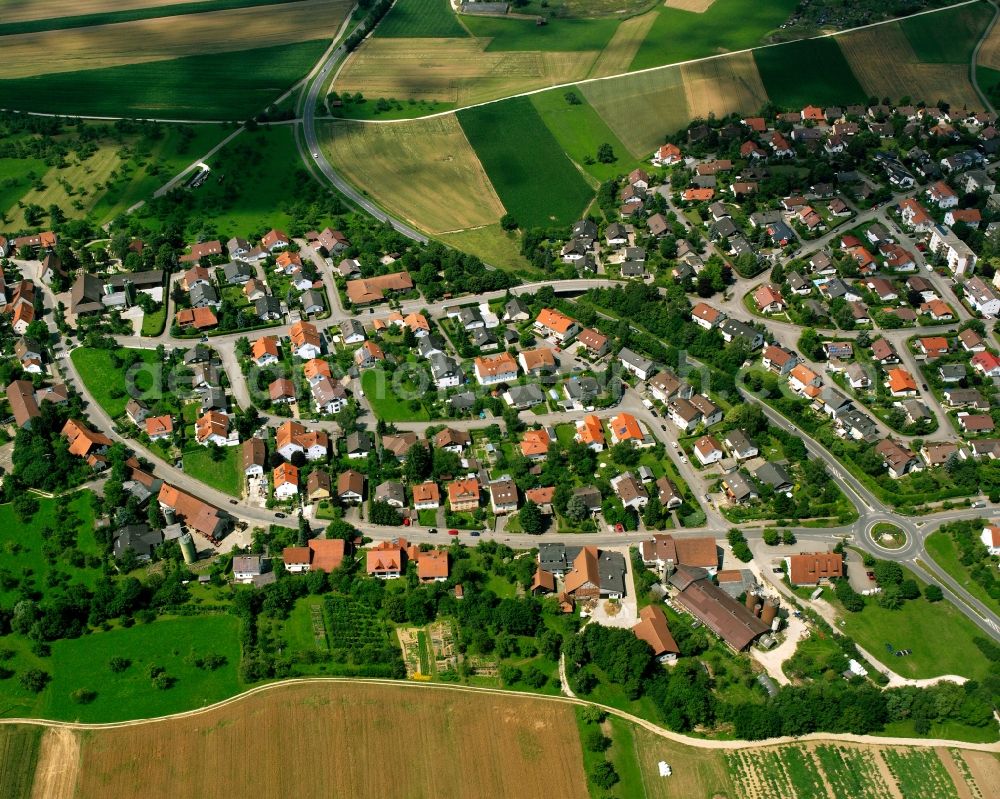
(315, 155)
(673, 444)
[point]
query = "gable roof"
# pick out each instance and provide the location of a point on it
(652, 628)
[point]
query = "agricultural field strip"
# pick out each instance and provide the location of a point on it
(17, 10)
(579, 83)
(159, 40)
(909, 743)
(868, 51)
(176, 8)
(448, 187)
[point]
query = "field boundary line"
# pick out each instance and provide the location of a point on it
(677, 737)
(648, 70)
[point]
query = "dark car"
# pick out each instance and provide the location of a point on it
(474, 533)
(279, 516)
(433, 531)
(233, 502)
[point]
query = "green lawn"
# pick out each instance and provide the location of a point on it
(169, 643)
(947, 37)
(790, 86)
(429, 19)
(427, 518)
(944, 553)
(224, 86)
(384, 401)
(559, 35)
(225, 475)
(153, 323)
(580, 130)
(939, 636)
(537, 184)
(107, 383)
(18, 757)
(298, 629)
(681, 35)
(21, 545)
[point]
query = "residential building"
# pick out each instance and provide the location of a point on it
(463, 495)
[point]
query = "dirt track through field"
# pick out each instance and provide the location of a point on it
(167, 38)
(58, 765)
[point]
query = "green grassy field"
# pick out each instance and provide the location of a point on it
(790, 86)
(681, 35)
(533, 177)
(492, 244)
(251, 191)
(423, 19)
(947, 37)
(154, 162)
(580, 130)
(942, 549)
(128, 15)
(105, 381)
(559, 35)
(18, 757)
(168, 643)
(15, 180)
(225, 86)
(939, 636)
(225, 475)
(385, 404)
(22, 545)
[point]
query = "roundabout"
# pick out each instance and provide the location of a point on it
(887, 536)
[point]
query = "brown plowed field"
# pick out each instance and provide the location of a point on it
(343, 740)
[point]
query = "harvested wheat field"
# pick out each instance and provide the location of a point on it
(642, 108)
(22, 10)
(697, 6)
(989, 53)
(620, 51)
(723, 86)
(344, 740)
(868, 51)
(148, 40)
(58, 765)
(423, 170)
(454, 70)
